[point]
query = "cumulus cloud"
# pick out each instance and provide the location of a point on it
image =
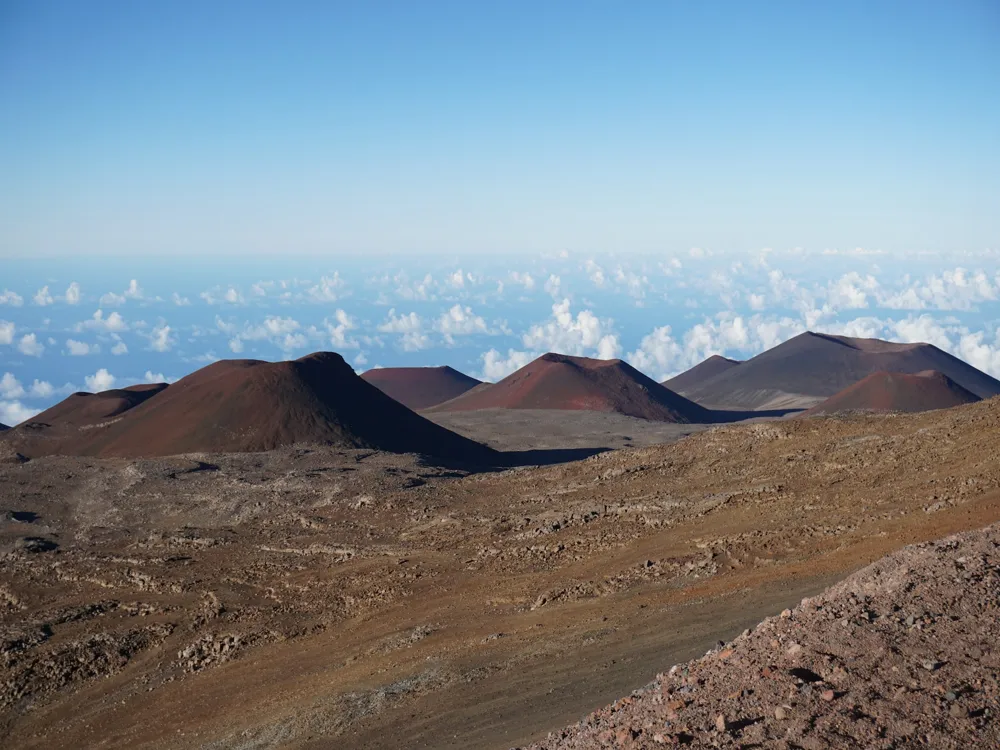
(595, 273)
(134, 291)
(42, 297)
(7, 297)
(114, 323)
(553, 286)
(11, 388)
(73, 294)
(101, 380)
(119, 348)
(179, 300)
(14, 412)
(160, 338)
(236, 345)
(218, 296)
(6, 332)
(496, 366)
(410, 329)
(659, 355)
(78, 348)
(582, 335)
(30, 345)
(329, 289)
(338, 330)
(112, 300)
(524, 279)
(460, 321)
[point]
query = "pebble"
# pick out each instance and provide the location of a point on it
(780, 713)
(720, 722)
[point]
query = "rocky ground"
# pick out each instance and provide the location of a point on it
(314, 597)
(901, 654)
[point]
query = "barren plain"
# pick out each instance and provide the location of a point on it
(315, 597)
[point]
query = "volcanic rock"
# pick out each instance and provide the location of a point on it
(701, 372)
(420, 387)
(811, 367)
(250, 405)
(895, 391)
(558, 381)
(84, 409)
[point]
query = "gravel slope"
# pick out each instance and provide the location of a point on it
(900, 654)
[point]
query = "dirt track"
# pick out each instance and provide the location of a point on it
(315, 597)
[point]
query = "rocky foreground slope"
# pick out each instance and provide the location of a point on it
(901, 654)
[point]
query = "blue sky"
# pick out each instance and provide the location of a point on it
(475, 184)
(233, 128)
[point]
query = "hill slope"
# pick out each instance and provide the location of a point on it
(82, 409)
(701, 372)
(558, 381)
(420, 387)
(894, 391)
(811, 367)
(249, 406)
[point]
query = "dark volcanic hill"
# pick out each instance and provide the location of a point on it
(811, 367)
(558, 381)
(83, 409)
(701, 372)
(420, 387)
(3, 427)
(248, 405)
(896, 391)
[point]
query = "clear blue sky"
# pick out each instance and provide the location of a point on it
(217, 128)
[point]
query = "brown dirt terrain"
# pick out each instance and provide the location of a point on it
(896, 391)
(420, 387)
(701, 372)
(88, 409)
(811, 367)
(558, 381)
(901, 654)
(318, 597)
(250, 405)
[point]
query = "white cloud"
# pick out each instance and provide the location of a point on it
(31, 346)
(14, 412)
(73, 294)
(179, 300)
(553, 286)
(582, 335)
(160, 339)
(11, 388)
(460, 321)
(236, 345)
(524, 279)
(410, 330)
(233, 297)
(112, 300)
(338, 330)
(457, 279)
(595, 273)
(497, 367)
(7, 297)
(6, 332)
(659, 355)
(329, 289)
(134, 291)
(114, 323)
(361, 360)
(119, 348)
(42, 297)
(101, 380)
(156, 377)
(77, 348)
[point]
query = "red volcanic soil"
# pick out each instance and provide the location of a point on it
(420, 387)
(896, 391)
(83, 409)
(814, 366)
(701, 372)
(557, 381)
(249, 406)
